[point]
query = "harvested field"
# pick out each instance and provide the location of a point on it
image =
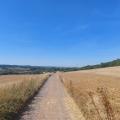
(97, 92)
(15, 91)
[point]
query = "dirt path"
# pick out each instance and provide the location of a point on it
(52, 103)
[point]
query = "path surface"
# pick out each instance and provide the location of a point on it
(52, 103)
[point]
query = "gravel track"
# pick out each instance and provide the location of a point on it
(52, 103)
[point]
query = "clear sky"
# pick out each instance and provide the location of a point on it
(59, 32)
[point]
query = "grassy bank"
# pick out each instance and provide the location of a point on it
(14, 95)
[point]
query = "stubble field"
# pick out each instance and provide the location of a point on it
(96, 92)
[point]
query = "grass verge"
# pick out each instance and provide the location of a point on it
(14, 96)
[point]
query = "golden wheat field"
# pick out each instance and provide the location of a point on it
(97, 92)
(15, 91)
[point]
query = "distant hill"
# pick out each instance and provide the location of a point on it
(102, 65)
(18, 69)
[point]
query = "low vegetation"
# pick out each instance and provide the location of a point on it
(17, 69)
(102, 65)
(96, 93)
(15, 93)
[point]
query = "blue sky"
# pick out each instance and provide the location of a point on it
(59, 32)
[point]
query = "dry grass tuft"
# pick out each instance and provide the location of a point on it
(14, 95)
(106, 103)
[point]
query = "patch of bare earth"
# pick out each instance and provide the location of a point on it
(97, 92)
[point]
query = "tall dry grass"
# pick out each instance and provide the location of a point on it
(94, 105)
(97, 96)
(15, 95)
